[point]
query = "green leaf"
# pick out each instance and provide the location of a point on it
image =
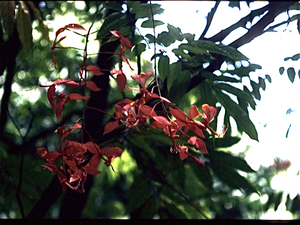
(24, 25)
(243, 71)
(179, 85)
(270, 201)
(232, 178)
(43, 27)
(149, 23)
(141, 141)
(226, 141)
(213, 77)
(113, 5)
(163, 67)
(226, 159)
(261, 83)
(228, 51)
(294, 57)
(268, 77)
(167, 38)
(175, 68)
(139, 193)
(278, 200)
(175, 32)
(150, 209)
(242, 119)
(175, 211)
(142, 10)
(281, 70)
(291, 74)
(237, 92)
(114, 21)
(203, 174)
(255, 91)
(295, 204)
(206, 93)
(7, 12)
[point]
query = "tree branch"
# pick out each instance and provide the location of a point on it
(241, 23)
(210, 16)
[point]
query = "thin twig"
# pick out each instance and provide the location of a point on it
(21, 162)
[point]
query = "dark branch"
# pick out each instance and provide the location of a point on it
(241, 23)
(210, 16)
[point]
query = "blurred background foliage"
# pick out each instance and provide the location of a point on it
(147, 181)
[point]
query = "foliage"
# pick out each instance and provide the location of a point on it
(145, 180)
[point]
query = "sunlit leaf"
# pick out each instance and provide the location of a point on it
(149, 23)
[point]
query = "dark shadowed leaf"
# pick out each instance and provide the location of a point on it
(268, 77)
(226, 141)
(7, 12)
(232, 178)
(281, 70)
(139, 193)
(24, 25)
(291, 74)
(226, 159)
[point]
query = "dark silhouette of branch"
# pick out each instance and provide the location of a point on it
(8, 53)
(274, 8)
(241, 23)
(210, 17)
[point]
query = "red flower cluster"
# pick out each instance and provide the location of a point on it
(77, 159)
(131, 113)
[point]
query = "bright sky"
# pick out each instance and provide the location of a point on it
(270, 116)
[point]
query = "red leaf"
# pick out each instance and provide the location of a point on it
(94, 70)
(111, 153)
(51, 95)
(178, 114)
(116, 33)
(126, 42)
(58, 110)
(196, 160)
(121, 79)
(92, 86)
(92, 147)
(62, 38)
(75, 126)
(52, 156)
(198, 144)
(74, 26)
(162, 120)
(110, 126)
(194, 112)
(50, 166)
(42, 152)
(75, 96)
(183, 152)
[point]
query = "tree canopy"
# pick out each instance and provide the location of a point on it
(89, 128)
